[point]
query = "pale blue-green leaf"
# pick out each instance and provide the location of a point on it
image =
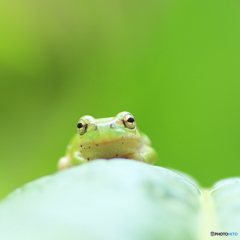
(118, 200)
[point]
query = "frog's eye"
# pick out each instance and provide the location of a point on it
(82, 127)
(129, 121)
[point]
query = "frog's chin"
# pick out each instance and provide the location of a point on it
(108, 150)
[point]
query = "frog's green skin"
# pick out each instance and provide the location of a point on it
(108, 138)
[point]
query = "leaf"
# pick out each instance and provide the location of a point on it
(118, 200)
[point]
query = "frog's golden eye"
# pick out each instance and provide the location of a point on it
(129, 121)
(82, 127)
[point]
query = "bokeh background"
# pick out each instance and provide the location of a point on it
(173, 64)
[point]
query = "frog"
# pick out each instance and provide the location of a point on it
(108, 138)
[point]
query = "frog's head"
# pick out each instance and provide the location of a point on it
(108, 137)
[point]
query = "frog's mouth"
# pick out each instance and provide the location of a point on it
(108, 141)
(122, 140)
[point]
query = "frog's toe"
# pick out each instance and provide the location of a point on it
(63, 163)
(135, 156)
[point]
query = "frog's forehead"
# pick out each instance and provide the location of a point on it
(104, 120)
(92, 120)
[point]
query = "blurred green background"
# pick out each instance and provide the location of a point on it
(173, 64)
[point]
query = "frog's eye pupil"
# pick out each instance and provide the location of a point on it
(131, 120)
(79, 125)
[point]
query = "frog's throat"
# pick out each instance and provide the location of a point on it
(110, 149)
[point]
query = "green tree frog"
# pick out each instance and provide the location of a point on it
(115, 137)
